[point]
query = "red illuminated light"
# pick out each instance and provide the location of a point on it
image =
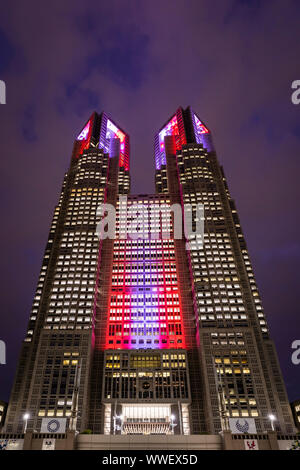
(200, 126)
(84, 138)
(144, 307)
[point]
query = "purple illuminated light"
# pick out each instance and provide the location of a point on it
(84, 133)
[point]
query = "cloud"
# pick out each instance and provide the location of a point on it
(123, 57)
(8, 52)
(29, 124)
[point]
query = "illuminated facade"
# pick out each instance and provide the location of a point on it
(147, 334)
(239, 368)
(144, 305)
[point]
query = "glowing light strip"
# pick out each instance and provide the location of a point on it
(83, 139)
(202, 133)
(200, 126)
(84, 133)
(170, 129)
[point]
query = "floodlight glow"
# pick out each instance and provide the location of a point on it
(170, 129)
(110, 131)
(200, 126)
(84, 133)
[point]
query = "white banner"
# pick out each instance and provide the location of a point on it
(53, 425)
(288, 444)
(48, 444)
(242, 425)
(11, 444)
(251, 444)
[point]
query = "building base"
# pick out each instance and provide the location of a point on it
(148, 442)
(223, 441)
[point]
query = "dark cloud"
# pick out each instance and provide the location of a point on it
(247, 9)
(78, 100)
(233, 61)
(29, 124)
(123, 57)
(7, 52)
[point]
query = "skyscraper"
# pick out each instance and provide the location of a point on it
(240, 371)
(150, 334)
(58, 348)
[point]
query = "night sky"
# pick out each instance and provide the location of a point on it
(233, 61)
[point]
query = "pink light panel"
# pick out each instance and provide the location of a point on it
(200, 126)
(84, 138)
(110, 131)
(170, 129)
(144, 306)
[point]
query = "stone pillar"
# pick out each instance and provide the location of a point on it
(272, 438)
(70, 440)
(227, 440)
(27, 440)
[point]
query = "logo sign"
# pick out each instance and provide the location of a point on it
(242, 425)
(3, 444)
(53, 425)
(11, 444)
(48, 444)
(251, 444)
(288, 444)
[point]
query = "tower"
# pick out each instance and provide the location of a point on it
(59, 338)
(241, 372)
(147, 332)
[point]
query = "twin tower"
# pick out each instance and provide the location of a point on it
(147, 335)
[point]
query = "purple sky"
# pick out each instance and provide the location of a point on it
(233, 61)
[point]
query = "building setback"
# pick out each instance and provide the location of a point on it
(147, 334)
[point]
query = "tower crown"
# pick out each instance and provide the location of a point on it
(186, 127)
(102, 131)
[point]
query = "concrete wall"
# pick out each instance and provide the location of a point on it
(222, 441)
(150, 442)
